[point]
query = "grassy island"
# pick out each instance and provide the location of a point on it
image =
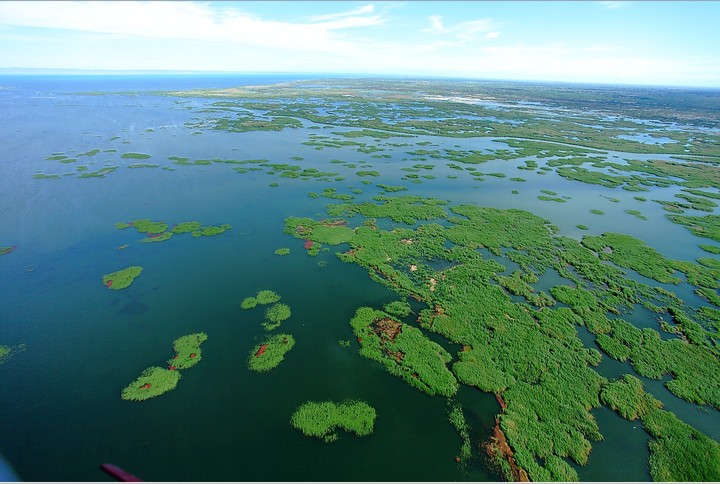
(153, 382)
(187, 351)
(270, 353)
(321, 419)
(122, 278)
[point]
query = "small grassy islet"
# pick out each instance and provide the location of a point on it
(321, 419)
(121, 279)
(270, 353)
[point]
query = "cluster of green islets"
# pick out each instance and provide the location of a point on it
(270, 352)
(283, 170)
(315, 419)
(160, 231)
(359, 111)
(388, 107)
(81, 170)
(529, 353)
(155, 381)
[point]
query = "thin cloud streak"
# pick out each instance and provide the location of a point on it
(370, 8)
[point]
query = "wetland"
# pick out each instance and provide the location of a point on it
(486, 280)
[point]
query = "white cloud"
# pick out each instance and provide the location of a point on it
(184, 20)
(436, 22)
(463, 32)
(369, 8)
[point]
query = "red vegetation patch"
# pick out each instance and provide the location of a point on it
(193, 355)
(308, 244)
(171, 367)
(146, 386)
(261, 350)
(108, 283)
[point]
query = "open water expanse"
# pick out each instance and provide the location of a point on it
(61, 414)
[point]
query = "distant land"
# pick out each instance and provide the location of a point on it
(38, 71)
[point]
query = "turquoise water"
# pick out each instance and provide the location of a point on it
(60, 409)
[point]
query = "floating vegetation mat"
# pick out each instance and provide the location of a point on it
(263, 297)
(321, 419)
(155, 381)
(266, 297)
(122, 278)
(157, 231)
(270, 353)
(7, 250)
(278, 313)
(6, 352)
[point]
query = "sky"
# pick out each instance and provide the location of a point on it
(674, 43)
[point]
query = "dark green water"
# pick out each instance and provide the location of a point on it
(60, 409)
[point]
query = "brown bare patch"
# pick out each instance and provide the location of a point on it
(387, 329)
(499, 448)
(334, 223)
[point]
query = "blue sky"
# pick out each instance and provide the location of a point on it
(627, 42)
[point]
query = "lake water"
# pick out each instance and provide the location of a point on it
(61, 412)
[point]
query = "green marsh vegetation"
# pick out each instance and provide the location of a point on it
(703, 226)
(6, 352)
(528, 353)
(135, 156)
(530, 356)
(282, 251)
(187, 351)
(278, 313)
(160, 231)
(404, 351)
(401, 309)
(322, 419)
(121, 279)
(263, 298)
(270, 352)
(155, 381)
(636, 214)
(457, 419)
(6, 250)
(679, 452)
(249, 302)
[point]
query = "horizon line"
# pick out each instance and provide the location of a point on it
(61, 71)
